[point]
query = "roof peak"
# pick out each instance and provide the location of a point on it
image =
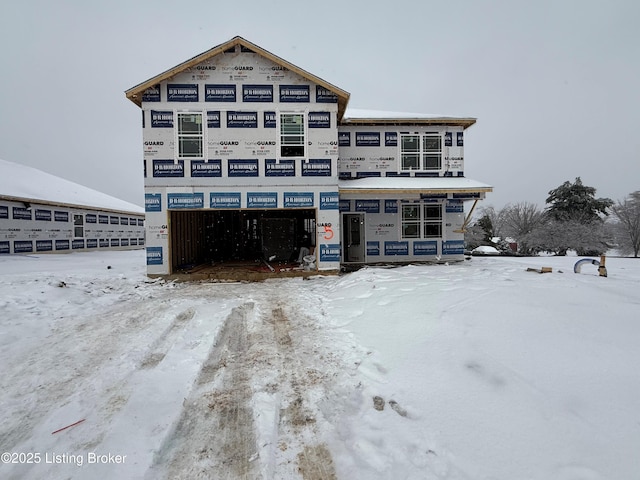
(135, 93)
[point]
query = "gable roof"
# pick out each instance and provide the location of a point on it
(135, 93)
(20, 183)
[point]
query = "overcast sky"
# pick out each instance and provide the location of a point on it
(554, 84)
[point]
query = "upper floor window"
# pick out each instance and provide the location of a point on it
(78, 225)
(421, 151)
(292, 135)
(432, 151)
(190, 135)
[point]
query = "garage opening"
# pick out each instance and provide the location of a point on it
(213, 237)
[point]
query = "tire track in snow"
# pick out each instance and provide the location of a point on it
(254, 411)
(215, 435)
(297, 419)
(159, 348)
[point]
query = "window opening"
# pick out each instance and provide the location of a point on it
(190, 135)
(78, 225)
(411, 221)
(292, 135)
(421, 151)
(432, 152)
(421, 221)
(432, 221)
(410, 152)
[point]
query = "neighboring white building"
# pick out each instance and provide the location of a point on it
(245, 153)
(42, 213)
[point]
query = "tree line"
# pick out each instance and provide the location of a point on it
(573, 219)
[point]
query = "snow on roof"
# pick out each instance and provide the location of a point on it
(414, 184)
(27, 183)
(356, 115)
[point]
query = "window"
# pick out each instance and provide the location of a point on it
(411, 221)
(292, 135)
(431, 152)
(421, 220)
(421, 151)
(190, 135)
(410, 152)
(432, 221)
(78, 225)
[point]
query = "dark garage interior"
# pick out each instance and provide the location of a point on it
(213, 237)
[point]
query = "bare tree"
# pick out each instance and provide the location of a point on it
(586, 238)
(474, 236)
(627, 213)
(522, 221)
(489, 224)
(497, 218)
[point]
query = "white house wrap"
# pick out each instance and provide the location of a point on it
(244, 154)
(42, 213)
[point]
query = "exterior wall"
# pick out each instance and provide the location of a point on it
(42, 228)
(241, 95)
(324, 200)
(382, 230)
(374, 151)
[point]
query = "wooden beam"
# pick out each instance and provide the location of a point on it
(415, 191)
(465, 224)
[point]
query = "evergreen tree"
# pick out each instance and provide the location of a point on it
(575, 201)
(575, 220)
(487, 227)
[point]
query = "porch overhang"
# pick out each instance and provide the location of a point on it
(355, 116)
(445, 187)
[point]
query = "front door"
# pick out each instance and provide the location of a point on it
(352, 237)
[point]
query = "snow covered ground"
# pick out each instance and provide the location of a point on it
(474, 370)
